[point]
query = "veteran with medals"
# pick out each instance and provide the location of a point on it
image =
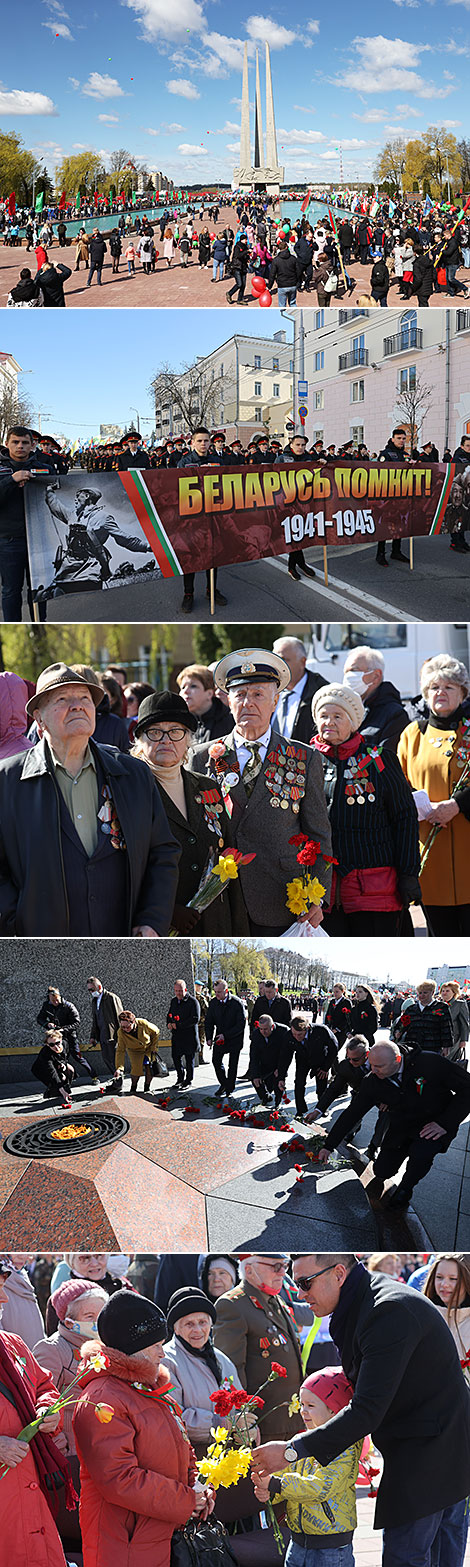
(195, 809)
(373, 821)
(272, 788)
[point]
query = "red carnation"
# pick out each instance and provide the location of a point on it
(405, 1018)
(258, 1403)
(239, 1398)
(277, 1370)
(298, 839)
(222, 1400)
(309, 854)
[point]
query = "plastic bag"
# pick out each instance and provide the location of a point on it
(302, 928)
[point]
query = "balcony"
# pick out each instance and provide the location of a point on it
(462, 321)
(402, 341)
(355, 360)
(350, 315)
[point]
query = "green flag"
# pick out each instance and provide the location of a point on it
(78, 201)
(39, 203)
(134, 197)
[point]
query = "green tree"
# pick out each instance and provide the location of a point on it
(81, 171)
(428, 157)
(213, 641)
(390, 163)
(243, 963)
(18, 167)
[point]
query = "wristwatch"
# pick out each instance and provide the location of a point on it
(291, 1454)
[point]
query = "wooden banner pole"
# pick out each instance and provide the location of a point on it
(411, 555)
(325, 565)
(212, 590)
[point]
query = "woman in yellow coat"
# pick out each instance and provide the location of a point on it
(139, 1040)
(434, 752)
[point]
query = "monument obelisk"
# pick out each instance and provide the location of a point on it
(264, 172)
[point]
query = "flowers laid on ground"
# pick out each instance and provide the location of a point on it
(103, 1412)
(311, 1146)
(229, 1455)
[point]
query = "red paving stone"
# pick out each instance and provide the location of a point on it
(66, 1209)
(177, 286)
(203, 1155)
(149, 1208)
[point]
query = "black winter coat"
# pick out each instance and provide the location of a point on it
(338, 1017)
(385, 716)
(363, 1019)
(285, 270)
(110, 729)
(431, 1088)
(425, 1028)
(33, 893)
(52, 283)
(227, 1018)
(409, 1393)
(64, 1016)
(280, 1009)
(214, 724)
(98, 248)
(383, 831)
(12, 519)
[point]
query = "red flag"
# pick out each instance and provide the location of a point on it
(62, 202)
(95, 198)
(306, 201)
(12, 205)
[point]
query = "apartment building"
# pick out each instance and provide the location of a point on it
(242, 387)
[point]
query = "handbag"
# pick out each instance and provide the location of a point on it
(202, 1545)
(159, 1067)
(331, 284)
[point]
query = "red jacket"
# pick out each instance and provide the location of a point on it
(136, 1471)
(28, 1532)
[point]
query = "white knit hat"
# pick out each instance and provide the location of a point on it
(344, 697)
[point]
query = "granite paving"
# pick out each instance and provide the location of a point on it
(150, 1208)
(62, 1213)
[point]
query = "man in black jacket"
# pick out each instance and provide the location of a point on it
(393, 452)
(385, 714)
(349, 1072)
(85, 846)
(98, 248)
(51, 280)
(56, 1013)
(271, 1053)
(285, 270)
(409, 1394)
(183, 1019)
(293, 714)
(271, 1001)
(316, 1052)
(106, 1009)
(18, 463)
(425, 1024)
(132, 453)
(294, 452)
(427, 1097)
(198, 456)
(225, 1026)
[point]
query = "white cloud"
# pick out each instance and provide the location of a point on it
(228, 50)
(371, 116)
(454, 48)
(353, 142)
(109, 119)
(74, 82)
(59, 29)
(227, 129)
(300, 136)
(159, 21)
(261, 29)
(395, 130)
(188, 149)
(99, 86)
(387, 65)
(451, 125)
(465, 3)
(313, 27)
(182, 88)
(412, 5)
(407, 111)
(19, 102)
(233, 146)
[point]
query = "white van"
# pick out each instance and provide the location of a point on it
(404, 645)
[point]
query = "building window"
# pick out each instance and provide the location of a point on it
(221, 371)
(275, 364)
(356, 433)
(317, 436)
(357, 346)
(407, 379)
(320, 360)
(222, 416)
(257, 364)
(318, 400)
(291, 366)
(276, 389)
(257, 388)
(319, 319)
(357, 392)
(258, 415)
(408, 325)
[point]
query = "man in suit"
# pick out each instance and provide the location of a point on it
(260, 773)
(106, 1011)
(225, 1025)
(409, 1394)
(269, 1000)
(253, 1328)
(293, 714)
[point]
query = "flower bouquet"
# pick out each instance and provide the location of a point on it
(229, 1455)
(216, 874)
(103, 1412)
(305, 891)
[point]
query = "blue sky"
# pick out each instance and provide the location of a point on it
(163, 79)
(102, 375)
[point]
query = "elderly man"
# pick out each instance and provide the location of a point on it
(105, 1014)
(85, 847)
(293, 714)
(253, 1328)
(272, 1048)
(426, 1096)
(425, 1024)
(260, 773)
(385, 713)
(183, 1022)
(408, 1392)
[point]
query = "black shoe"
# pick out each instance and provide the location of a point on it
(459, 546)
(229, 299)
(380, 560)
(401, 1198)
(188, 603)
(374, 1190)
(400, 555)
(292, 572)
(219, 597)
(308, 571)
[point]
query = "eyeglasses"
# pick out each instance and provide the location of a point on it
(304, 1283)
(165, 734)
(276, 1267)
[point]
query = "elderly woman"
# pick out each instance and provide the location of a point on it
(138, 1040)
(29, 1534)
(138, 1474)
(434, 753)
(196, 1368)
(458, 1008)
(77, 1303)
(52, 1068)
(219, 1275)
(195, 811)
(372, 819)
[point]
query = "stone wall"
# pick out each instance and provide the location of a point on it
(141, 972)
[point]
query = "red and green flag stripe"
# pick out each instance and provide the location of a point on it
(151, 523)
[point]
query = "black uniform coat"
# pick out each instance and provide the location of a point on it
(33, 892)
(227, 914)
(409, 1393)
(431, 1088)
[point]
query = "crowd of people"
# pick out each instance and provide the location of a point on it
(417, 249)
(372, 800)
(338, 1052)
(331, 1372)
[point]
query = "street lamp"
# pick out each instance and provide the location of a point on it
(135, 411)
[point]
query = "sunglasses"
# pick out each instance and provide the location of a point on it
(304, 1283)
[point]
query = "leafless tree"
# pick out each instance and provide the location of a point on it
(191, 393)
(413, 403)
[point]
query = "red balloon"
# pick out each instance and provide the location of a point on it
(265, 299)
(258, 285)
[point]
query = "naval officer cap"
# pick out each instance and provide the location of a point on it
(249, 666)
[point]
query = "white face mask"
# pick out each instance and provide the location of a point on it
(85, 1329)
(354, 678)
